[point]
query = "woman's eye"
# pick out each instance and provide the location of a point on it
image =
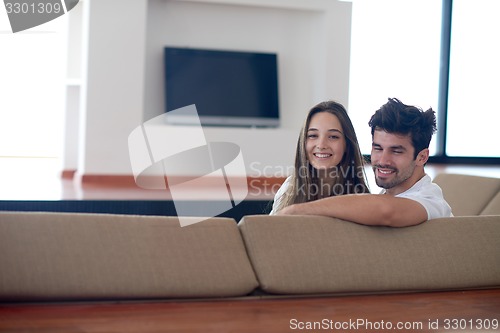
(312, 136)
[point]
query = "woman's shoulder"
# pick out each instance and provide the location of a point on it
(285, 184)
(280, 193)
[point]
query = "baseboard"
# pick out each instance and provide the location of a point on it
(68, 174)
(128, 181)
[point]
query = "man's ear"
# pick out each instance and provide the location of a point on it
(423, 157)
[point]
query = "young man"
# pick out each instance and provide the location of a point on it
(401, 135)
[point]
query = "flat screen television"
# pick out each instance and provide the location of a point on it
(229, 88)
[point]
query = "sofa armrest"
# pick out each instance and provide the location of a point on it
(468, 195)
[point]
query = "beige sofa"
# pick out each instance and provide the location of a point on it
(74, 257)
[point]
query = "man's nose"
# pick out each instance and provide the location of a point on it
(384, 158)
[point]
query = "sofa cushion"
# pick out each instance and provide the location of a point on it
(312, 254)
(67, 256)
(466, 194)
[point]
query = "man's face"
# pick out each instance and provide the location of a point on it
(393, 161)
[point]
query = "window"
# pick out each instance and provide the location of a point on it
(473, 84)
(33, 67)
(396, 52)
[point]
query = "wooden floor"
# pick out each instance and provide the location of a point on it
(460, 311)
(40, 179)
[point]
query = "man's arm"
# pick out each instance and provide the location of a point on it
(369, 209)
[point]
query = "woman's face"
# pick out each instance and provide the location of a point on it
(325, 141)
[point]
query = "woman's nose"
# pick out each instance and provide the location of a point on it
(322, 143)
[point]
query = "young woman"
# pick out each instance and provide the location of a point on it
(328, 161)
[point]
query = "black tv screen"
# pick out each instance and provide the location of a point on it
(229, 88)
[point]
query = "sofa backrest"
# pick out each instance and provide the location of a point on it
(66, 256)
(470, 195)
(321, 255)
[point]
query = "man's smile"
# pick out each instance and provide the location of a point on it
(384, 171)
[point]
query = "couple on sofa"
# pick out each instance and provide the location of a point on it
(329, 177)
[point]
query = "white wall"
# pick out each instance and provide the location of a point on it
(73, 87)
(112, 83)
(122, 80)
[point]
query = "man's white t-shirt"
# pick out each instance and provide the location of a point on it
(429, 195)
